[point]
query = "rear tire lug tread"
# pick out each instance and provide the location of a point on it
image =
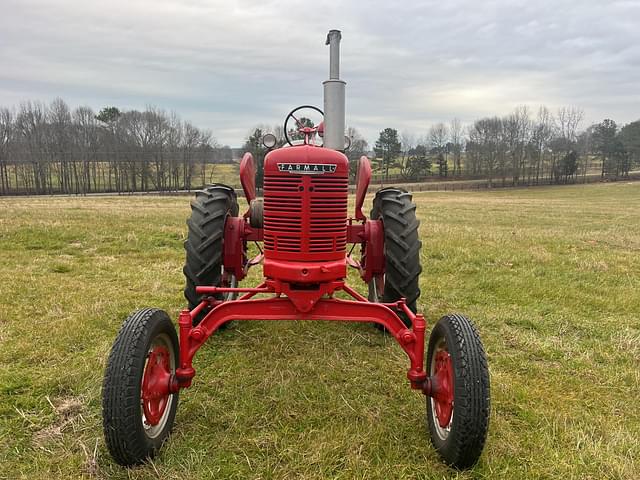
(395, 208)
(205, 241)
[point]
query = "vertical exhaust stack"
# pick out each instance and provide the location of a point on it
(334, 88)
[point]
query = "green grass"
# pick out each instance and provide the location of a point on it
(550, 276)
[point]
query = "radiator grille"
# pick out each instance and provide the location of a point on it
(305, 214)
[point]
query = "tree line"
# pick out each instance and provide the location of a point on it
(519, 148)
(49, 148)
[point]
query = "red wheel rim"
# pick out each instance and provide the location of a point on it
(443, 394)
(155, 385)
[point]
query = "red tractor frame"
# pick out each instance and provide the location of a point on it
(302, 224)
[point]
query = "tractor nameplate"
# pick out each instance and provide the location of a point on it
(307, 168)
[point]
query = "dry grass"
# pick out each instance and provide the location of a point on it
(549, 274)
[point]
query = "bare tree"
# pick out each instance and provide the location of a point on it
(438, 139)
(207, 143)
(60, 144)
(7, 130)
(190, 142)
(487, 141)
(543, 132)
(31, 124)
(87, 143)
(408, 143)
(568, 122)
(457, 144)
(357, 149)
(278, 131)
(517, 133)
(173, 140)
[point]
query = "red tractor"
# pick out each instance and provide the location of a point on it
(303, 224)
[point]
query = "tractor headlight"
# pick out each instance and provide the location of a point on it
(269, 140)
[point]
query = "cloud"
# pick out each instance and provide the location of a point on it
(229, 65)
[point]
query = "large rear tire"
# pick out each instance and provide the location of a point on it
(205, 243)
(394, 206)
(458, 415)
(137, 417)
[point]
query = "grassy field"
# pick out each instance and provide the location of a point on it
(550, 275)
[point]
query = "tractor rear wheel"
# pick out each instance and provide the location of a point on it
(458, 410)
(205, 243)
(394, 206)
(137, 408)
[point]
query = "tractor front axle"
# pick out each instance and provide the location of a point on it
(280, 307)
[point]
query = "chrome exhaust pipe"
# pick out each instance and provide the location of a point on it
(334, 97)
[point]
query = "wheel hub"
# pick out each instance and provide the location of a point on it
(155, 385)
(443, 391)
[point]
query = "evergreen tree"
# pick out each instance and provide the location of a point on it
(388, 147)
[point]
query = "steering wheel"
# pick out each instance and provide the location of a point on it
(300, 126)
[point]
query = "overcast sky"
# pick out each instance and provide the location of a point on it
(227, 66)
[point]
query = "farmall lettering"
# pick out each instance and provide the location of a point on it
(307, 168)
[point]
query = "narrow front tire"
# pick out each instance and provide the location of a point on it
(458, 410)
(137, 408)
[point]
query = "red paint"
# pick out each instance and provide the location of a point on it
(248, 177)
(252, 234)
(442, 388)
(363, 177)
(299, 305)
(373, 250)
(155, 389)
(235, 246)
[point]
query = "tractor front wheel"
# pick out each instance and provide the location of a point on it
(458, 409)
(138, 409)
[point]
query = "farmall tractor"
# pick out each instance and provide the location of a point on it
(303, 225)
